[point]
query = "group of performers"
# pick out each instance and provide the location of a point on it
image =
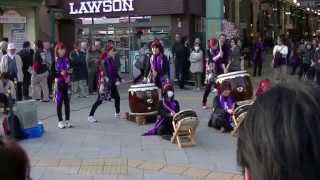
(157, 72)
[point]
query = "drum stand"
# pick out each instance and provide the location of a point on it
(142, 119)
(184, 132)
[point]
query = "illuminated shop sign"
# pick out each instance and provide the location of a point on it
(95, 7)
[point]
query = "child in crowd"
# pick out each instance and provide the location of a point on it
(169, 106)
(223, 106)
(62, 85)
(7, 88)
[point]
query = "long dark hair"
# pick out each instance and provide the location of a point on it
(280, 137)
(14, 162)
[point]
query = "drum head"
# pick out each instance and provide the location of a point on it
(184, 114)
(231, 75)
(143, 87)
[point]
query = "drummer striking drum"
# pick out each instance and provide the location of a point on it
(158, 67)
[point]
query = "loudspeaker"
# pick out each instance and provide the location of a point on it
(27, 113)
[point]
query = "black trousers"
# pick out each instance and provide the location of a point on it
(142, 71)
(303, 70)
(207, 91)
(182, 75)
(114, 94)
(257, 68)
(26, 84)
(19, 91)
(50, 80)
(66, 101)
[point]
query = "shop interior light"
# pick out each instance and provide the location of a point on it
(288, 13)
(308, 9)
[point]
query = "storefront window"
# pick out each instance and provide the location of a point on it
(129, 34)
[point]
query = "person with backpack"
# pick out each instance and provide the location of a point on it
(279, 62)
(39, 77)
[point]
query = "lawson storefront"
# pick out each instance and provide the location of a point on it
(131, 23)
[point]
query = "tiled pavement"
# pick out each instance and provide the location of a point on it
(115, 149)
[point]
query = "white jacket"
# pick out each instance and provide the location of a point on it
(283, 49)
(4, 66)
(196, 59)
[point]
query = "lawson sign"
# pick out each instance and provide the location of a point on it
(102, 6)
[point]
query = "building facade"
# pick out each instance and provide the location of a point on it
(19, 20)
(129, 23)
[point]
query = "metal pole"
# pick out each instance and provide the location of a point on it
(53, 28)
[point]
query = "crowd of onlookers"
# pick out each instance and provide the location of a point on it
(33, 68)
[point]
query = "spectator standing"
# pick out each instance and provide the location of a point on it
(258, 57)
(196, 60)
(92, 57)
(181, 54)
(12, 64)
(280, 52)
(3, 48)
(49, 59)
(26, 55)
(39, 78)
(79, 71)
(141, 63)
(307, 60)
(236, 61)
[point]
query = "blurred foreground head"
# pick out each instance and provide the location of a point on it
(14, 162)
(280, 137)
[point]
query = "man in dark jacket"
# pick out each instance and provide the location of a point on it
(181, 55)
(79, 71)
(26, 55)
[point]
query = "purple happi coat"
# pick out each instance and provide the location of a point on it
(226, 102)
(62, 64)
(164, 119)
(159, 63)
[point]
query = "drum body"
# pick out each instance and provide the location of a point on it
(143, 99)
(240, 81)
(185, 114)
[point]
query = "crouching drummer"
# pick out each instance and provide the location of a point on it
(223, 106)
(168, 108)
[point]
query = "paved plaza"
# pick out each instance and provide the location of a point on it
(115, 149)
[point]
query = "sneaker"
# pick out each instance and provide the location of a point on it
(91, 119)
(61, 125)
(117, 115)
(68, 124)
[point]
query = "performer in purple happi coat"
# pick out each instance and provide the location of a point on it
(62, 85)
(158, 68)
(168, 108)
